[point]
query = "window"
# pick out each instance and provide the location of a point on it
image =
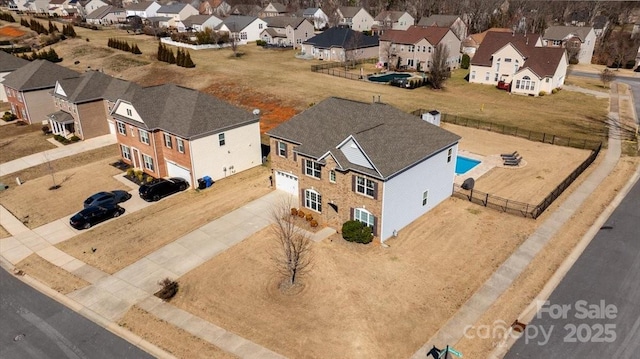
(180, 143)
(473, 75)
(144, 136)
(425, 197)
(495, 78)
(557, 42)
(313, 200)
(364, 216)
(411, 48)
(282, 149)
(365, 186)
(243, 36)
(126, 153)
(221, 139)
(167, 140)
(133, 131)
(498, 67)
(148, 162)
(486, 76)
(410, 62)
(429, 49)
(259, 26)
(507, 60)
(312, 168)
(122, 129)
(129, 112)
(332, 176)
(449, 154)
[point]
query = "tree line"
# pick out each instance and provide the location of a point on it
(124, 46)
(182, 58)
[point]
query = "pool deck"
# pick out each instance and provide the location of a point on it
(487, 163)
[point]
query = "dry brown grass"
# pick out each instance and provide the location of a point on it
(51, 275)
(138, 234)
(164, 335)
(19, 141)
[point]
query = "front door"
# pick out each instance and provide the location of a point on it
(135, 158)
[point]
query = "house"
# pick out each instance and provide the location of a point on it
(287, 31)
(454, 22)
(39, 6)
(355, 18)
(18, 5)
(143, 9)
(82, 104)
(219, 8)
(370, 162)
(176, 13)
(519, 60)
(600, 25)
(579, 41)
(8, 64)
(316, 16)
(341, 44)
(413, 48)
(394, 20)
(246, 10)
(169, 130)
(473, 41)
(200, 22)
(107, 15)
(244, 28)
(273, 9)
(28, 89)
(92, 6)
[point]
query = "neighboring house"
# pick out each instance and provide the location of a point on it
(92, 6)
(169, 130)
(244, 28)
(273, 9)
(355, 18)
(392, 20)
(371, 162)
(8, 64)
(83, 103)
(578, 40)
(316, 16)
(219, 8)
(39, 6)
(198, 23)
(287, 31)
(413, 48)
(520, 60)
(177, 13)
(28, 89)
(578, 18)
(342, 44)
(454, 22)
(18, 5)
(246, 10)
(600, 25)
(473, 41)
(107, 15)
(143, 9)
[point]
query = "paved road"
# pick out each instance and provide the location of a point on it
(605, 284)
(35, 326)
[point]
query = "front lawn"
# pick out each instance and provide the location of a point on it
(22, 140)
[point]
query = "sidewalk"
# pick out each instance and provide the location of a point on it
(55, 153)
(508, 272)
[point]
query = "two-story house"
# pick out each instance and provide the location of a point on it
(579, 41)
(355, 18)
(349, 160)
(83, 104)
(243, 28)
(287, 31)
(8, 64)
(91, 6)
(413, 48)
(107, 15)
(176, 13)
(454, 22)
(392, 20)
(219, 8)
(143, 9)
(316, 16)
(28, 89)
(341, 44)
(198, 23)
(169, 130)
(274, 9)
(519, 60)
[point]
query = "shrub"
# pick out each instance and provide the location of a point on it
(8, 116)
(46, 130)
(573, 61)
(355, 231)
(261, 42)
(169, 289)
(554, 91)
(308, 217)
(294, 211)
(313, 223)
(542, 93)
(130, 172)
(60, 138)
(301, 213)
(466, 61)
(74, 138)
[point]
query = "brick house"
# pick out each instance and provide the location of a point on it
(365, 161)
(8, 64)
(169, 130)
(28, 89)
(83, 104)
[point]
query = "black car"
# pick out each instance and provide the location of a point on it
(162, 187)
(104, 198)
(94, 215)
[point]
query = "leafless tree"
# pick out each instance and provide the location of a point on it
(387, 52)
(607, 76)
(292, 255)
(439, 71)
(352, 48)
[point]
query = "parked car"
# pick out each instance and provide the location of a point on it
(504, 86)
(94, 215)
(162, 187)
(103, 198)
(401, 82)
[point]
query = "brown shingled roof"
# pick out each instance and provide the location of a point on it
(544, 60)
(414, 34)
(494, 41)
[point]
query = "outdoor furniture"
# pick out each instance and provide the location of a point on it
(512, 162)
(509, 155)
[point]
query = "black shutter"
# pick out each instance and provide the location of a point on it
(304, 166)
(302, 199)
(286, 150)
(320, 172)
(351, 210)
(353, 183)
(375, 190)
(375, 226)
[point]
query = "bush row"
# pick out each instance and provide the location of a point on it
(5, 16)
(124, 46)
(183, 58)
(50, 55)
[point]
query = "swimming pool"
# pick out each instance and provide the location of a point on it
(464, 164)
(388, 77)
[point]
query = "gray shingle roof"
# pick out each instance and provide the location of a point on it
(103, 11)
(560, 32)
(184, 112)
(139, 6)
(310, 11)
(438, 20)
(196, 19)
(392, 139)
(171, 9)
(235, 23)
(284, 21)
(92, 86)
(349, 11)
(342, 37)
(37, 75)
(10, 62)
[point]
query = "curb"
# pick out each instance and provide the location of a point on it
(529, 312)
(96, 318)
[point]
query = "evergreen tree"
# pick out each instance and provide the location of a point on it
(187, 61)
(52, 28)
(52, 55)
(172, 57)
(136, 50)
(179, 57)
(110, 42)
(126, 47)
(160, 48)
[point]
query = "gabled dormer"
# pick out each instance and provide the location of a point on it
(126, 110)
(354, 153)
(59, 90)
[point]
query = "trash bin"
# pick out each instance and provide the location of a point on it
(201, 183)
(207, 181)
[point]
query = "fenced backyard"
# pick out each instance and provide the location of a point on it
(340, 69)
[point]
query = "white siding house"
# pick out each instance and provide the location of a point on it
(356, 18)
(144, 9)
(176, 14)
(244, 28)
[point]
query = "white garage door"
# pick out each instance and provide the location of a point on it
(287, 182)
(177, 171)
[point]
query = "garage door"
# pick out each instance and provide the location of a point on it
(287, 182)
(173, 170)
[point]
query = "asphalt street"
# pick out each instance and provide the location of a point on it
(33, 325)
(594, 312)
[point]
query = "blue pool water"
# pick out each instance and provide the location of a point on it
(388, 77)
(464, 164)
